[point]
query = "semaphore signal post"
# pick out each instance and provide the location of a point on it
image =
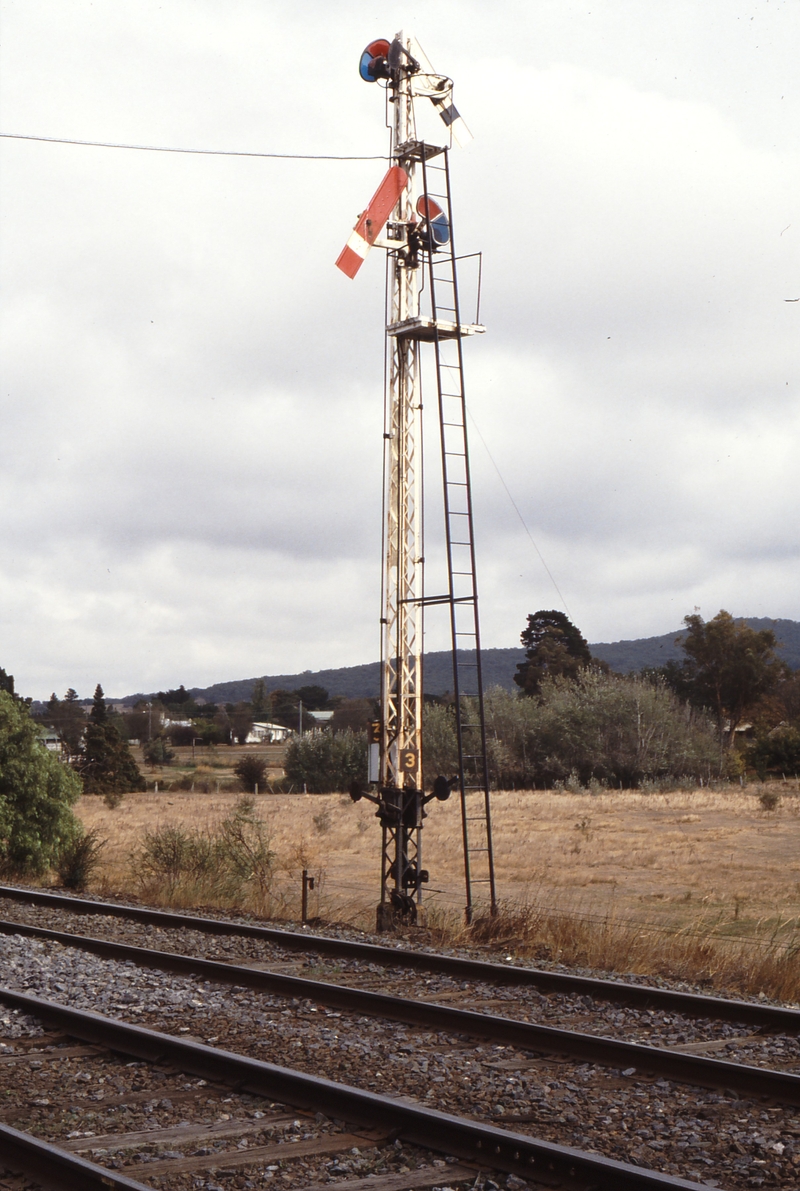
(410, 216)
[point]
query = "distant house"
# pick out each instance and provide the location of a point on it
(321, 718)
(50, 739)
(176, 724)
(268, 734)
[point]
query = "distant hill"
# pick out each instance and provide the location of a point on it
(626, 656)
(358, 682)
(363, 682)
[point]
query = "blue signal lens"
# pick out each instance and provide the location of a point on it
(440, 229)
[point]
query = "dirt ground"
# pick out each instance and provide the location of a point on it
(715, 858)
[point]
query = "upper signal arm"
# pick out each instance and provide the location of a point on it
(372, 221)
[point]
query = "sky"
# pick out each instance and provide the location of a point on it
(191, 425)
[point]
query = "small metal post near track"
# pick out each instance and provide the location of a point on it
(308, 883)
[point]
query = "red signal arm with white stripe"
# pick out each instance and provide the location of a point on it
(371, 222)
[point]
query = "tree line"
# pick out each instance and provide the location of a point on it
(574, 721)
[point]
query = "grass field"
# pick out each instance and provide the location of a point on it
(704, 884)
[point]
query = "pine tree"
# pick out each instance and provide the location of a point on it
(553, 646)
(106, 765)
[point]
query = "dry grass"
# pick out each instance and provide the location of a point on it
(702, 885)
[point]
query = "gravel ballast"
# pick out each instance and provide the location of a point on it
(707, 1136)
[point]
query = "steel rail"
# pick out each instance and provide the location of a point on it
(783, 1086)
(490, 1147)
(618, 992)
(56, 1169)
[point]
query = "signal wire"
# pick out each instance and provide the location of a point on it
(519, 514)
(56, 140)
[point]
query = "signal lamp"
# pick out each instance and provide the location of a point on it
(373, 64)
(442, 787)
(437, 221)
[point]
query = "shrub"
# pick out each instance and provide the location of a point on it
(323, 821)
(78, 858)
(439, 745)
(770, 800)
(229, 865)
(618, 730)
(36, 794)
(776, 752)
(325, 763)
(251, 772)
(602, 728)
(158, 752)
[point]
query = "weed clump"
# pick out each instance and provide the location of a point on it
(79, 858)
(229, 865)
(618, 945)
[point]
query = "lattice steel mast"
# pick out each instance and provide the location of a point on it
(418, 238)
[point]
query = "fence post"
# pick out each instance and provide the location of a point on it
(308, 883)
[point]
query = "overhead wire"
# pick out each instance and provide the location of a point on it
(519, 514)
(57, 140)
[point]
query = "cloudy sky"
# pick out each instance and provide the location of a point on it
(190, 450)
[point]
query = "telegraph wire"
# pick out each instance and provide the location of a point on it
(519, 514)
(57, 140)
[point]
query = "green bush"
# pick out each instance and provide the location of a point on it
(439, 746)
(36, 793)
(326, 763)
(158, 752)
(601, 729)
(775, 752)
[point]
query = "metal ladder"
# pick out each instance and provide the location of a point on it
(462, 595)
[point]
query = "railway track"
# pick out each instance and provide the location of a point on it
(614, 991)
(684, 1067)
(374, 1126)
(597, 1091)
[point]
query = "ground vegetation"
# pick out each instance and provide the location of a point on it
(322, 762)
(37, 792)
